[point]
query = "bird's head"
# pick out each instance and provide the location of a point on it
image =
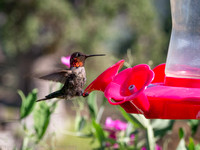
(77, 59)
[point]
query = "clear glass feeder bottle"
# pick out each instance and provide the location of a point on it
(183, 60)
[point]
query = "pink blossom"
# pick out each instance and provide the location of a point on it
(116, 146)
(66, 61)
(158, 147)
(143, 148)
(112, 134)
(113, 127)
(132, 138)
(109, 123)
(115, 124)
(120, 126)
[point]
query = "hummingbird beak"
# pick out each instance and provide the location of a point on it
(86, 56)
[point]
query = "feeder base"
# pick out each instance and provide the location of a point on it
(168, 102)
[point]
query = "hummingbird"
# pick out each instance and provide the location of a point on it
(73, 78)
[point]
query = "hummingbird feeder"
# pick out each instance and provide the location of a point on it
(170, 91)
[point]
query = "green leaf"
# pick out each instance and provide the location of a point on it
(80, 123)
(99, 133)
(92, 105)
(111, 141)
(181, 133)
(191, 145)
(134, 119)
(28, 103)
(193, 125)
(161, 126)
(41, 119)
(197, 147)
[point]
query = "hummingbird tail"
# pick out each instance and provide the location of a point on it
(55, 94)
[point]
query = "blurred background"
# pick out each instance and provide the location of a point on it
(34, 34)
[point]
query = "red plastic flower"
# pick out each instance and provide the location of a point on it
(128, 86)
(101, 82)
(125, 88)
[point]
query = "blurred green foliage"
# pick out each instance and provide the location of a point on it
(115, 26)
(28, 103)
(41, 115)
(92, 105)
(31, 29)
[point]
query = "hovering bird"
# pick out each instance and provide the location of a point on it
(73, 78)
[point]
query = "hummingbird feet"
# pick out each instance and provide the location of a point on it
(85, 94)
(81, 93)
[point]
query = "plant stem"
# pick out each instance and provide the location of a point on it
(99, 115)
(25, 143)
(150, 137)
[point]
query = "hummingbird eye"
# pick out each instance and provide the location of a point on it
(78, 54)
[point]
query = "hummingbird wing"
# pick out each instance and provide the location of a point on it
(59, 76)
